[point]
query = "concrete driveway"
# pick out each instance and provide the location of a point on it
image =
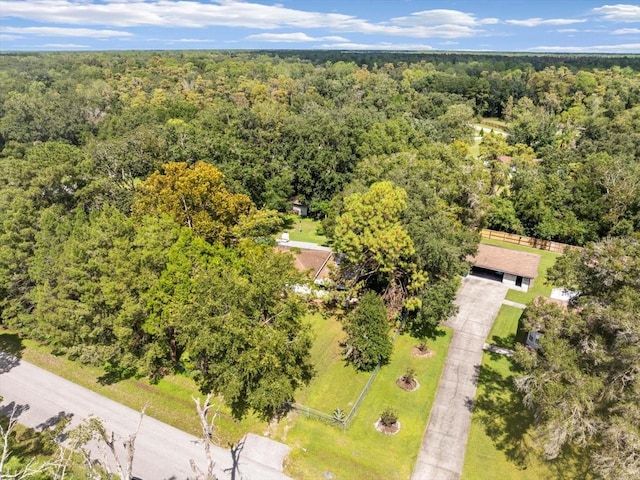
(444, 444)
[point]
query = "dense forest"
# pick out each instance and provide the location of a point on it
(140, 192)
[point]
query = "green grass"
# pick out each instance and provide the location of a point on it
(331, 370)
(361, 452)
(305, 230)
(500, 445)
(494, 120)
(504, 332)
(540, 286)
(168, 401)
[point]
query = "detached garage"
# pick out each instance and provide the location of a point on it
(511, 267)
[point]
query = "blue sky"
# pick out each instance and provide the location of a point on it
(498, 25)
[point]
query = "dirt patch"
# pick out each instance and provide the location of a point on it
(409, 386)
(422, 353)
(387, 429)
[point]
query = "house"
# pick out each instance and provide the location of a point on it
(315, 262)
(299, 208)
(511, 267)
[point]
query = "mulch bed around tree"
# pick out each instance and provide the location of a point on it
(409, 386)
(387, 430)
(416, 352)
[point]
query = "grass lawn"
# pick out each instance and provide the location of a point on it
(331, 370)
(305, 230)
(361, 452)
(505, 332)
(168, 401)
(500, 445)
(540, 287)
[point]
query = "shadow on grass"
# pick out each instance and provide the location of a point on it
(499, 409)
(11, 348)
(508, 341)
(288, 221)
(511, 340)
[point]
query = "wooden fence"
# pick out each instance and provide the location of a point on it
(555, 247)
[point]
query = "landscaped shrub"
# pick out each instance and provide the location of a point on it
(388, 417)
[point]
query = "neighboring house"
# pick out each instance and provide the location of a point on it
(315, 262)
(511, 267)
(299, 208)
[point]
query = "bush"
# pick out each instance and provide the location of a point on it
(388, 417)
(409, 375)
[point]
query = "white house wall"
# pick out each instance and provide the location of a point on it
(510, 280)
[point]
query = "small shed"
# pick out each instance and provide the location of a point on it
(299, 208)
(511, 267)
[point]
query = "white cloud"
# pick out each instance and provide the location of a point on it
(8, 37)
(623, 48)
(187, 13)
(228, 13)
(293, 38)
(442, 17)
(535, 22)
(190, 40)
(626, 31)
(376, 46)
(66, 32)
(64, 45)
(619, 13)
(577, 30)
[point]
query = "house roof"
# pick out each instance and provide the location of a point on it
(505, 260)
(315, 261)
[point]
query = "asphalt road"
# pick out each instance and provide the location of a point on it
(161, 451)
(443, 448)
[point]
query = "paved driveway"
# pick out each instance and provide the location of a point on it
(444, 444)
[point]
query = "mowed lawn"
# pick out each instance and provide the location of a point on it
(499, 426)
(500, 445)
(305, 230)
(321, 450)
(331, 370)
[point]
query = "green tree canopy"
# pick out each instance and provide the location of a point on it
(584, 387)
(368, 342)
(197, 198)
(377, 249)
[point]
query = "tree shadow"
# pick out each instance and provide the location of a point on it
(499, 408)
(13, 409)
(114, 374)
(236, 451)
(60, 417)
(508, 341)
(11, 348)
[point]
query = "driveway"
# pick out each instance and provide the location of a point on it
(161, 451)
(443, 448)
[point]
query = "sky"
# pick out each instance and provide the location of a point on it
(479, 25)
